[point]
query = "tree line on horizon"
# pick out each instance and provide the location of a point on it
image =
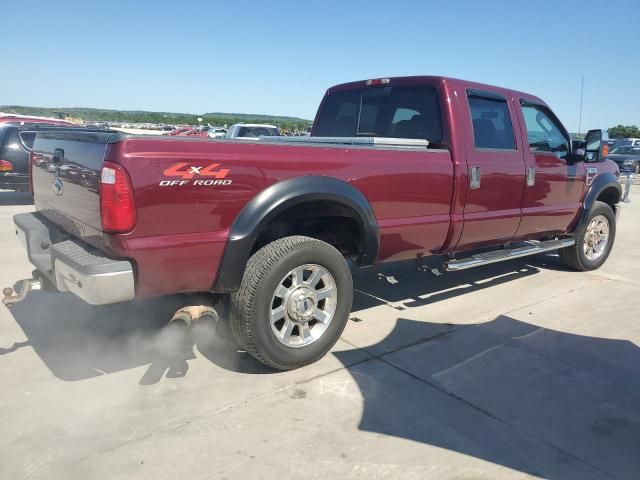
(123, 116)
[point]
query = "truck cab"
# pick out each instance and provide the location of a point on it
(520, 177)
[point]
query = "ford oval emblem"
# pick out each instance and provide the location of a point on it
(58, 186)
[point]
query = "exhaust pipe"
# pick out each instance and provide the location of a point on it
(189, 315)
(12, 296)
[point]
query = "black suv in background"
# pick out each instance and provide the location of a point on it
(14, 157)
(627, 157)
(15, 142)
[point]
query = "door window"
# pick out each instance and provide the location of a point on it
(492, 127)
(544, 131)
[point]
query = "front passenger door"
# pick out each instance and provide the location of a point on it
(554, 186)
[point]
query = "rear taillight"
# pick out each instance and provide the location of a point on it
(6, 166)
(117, 208)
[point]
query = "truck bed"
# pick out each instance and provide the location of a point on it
(183, 223)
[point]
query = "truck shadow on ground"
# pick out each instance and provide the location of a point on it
(544, 402)
(536, 400)
(77, 341)
(15, 198)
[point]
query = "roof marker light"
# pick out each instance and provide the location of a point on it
(378, 81)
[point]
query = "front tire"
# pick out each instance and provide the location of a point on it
(593, 242)
(293, 303)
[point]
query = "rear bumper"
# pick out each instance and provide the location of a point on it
(73, 266)
(14, 181)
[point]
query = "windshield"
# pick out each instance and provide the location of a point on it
(626, 151)
(395, 112)
(621, 143)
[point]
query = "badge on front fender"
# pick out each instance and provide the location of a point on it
(58, 186)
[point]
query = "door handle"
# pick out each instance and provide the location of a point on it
(474, 178)
(531, 176)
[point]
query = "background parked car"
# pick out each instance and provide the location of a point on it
(625, 142)
(252, 131)
(14, 159)
(215, 132)
(627, 158)
(16, 139)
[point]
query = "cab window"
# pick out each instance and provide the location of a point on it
(544, 131)
(492, 127)
(390, 111)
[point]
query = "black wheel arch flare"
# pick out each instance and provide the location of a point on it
(601, 183)
(277, 198)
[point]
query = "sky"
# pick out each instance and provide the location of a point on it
(279, 57)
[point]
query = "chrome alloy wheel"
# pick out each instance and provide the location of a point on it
(596, 237)
(303, 305)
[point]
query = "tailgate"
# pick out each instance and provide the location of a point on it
(66, 170)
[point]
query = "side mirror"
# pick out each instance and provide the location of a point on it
(597, 146)
(58, 156)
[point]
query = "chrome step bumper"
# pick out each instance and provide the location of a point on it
(73, 266)
(531, 248)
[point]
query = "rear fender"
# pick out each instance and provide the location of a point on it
(276, 199)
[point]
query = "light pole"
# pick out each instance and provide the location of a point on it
(580, 116)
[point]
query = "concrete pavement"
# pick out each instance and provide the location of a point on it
(516, 370)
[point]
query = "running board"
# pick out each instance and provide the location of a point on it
(507, 254)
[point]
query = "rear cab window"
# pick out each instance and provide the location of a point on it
(403, 111)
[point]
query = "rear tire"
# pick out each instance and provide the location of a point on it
(293, 302)
(589, 252)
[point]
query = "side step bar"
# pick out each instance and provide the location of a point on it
(531, 248)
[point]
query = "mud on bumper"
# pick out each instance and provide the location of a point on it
(73, 266)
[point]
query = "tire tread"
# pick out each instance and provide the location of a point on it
(242, 301)
(571, 256)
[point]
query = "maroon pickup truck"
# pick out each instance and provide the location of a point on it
(394, 169)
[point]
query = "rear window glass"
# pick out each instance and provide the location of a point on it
(27, 139)
(395, 112)
(12, 150)
(257, 132)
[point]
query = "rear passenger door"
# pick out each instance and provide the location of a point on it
(554, 185)
(495, 171)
